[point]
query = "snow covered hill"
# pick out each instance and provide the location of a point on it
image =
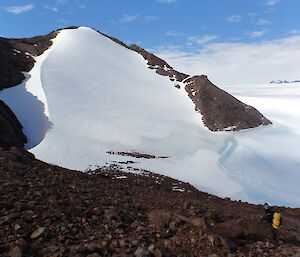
(90, 102)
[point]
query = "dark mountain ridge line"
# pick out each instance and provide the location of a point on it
(46, 210)
(161, 67)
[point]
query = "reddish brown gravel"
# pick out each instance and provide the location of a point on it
(46, 210)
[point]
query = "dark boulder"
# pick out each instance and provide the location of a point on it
(230, 229)
(11, 133)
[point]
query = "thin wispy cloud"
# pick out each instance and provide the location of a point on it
(80, 5)
(172, 33)
(262, 22)
(166, 1)
(59, 2)
(257, 33)
(57, 5)
(251, 14)
(128, 18)
(234, 18)
(294, 31)
(18, 9)
(51, 8)
(272, 2)
(63, 21)
(201, 40)
(152, 18)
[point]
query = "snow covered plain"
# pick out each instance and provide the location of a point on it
(90, 96)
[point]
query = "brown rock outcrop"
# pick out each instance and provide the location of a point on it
(161, 67)
(11, 133)
(220, 110)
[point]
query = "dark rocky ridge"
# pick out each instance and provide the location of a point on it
(161, 67)
(50, 211)
(221, 110)
(11, 133)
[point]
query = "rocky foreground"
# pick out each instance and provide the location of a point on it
(46, 210)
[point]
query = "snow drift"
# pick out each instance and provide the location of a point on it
(95, 97)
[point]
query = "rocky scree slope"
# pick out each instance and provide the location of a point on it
(46, 210)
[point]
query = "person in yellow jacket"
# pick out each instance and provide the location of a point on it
(274, 218)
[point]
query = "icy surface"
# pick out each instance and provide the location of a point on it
(101, 97)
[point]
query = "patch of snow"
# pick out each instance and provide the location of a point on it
(120, 177)
(29, 54)
(102, 97)
(153, 67)
(165, 68)
(229, 128)
(178, 189)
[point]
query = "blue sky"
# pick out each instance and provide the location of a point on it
(174, 29)
(157, 23)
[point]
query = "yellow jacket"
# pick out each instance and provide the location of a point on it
(276, 220)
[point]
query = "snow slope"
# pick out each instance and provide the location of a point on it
(101, 97)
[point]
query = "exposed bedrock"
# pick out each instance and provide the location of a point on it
(161, 67)
(220, 110)
(11, 133)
